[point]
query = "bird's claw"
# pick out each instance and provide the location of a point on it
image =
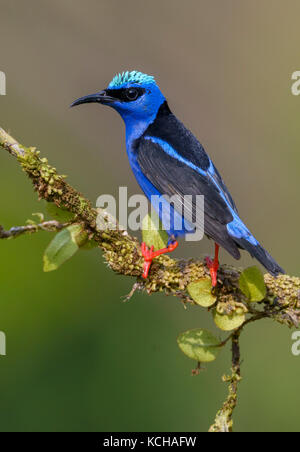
(146, 252)
(171, 247)
(149, 254)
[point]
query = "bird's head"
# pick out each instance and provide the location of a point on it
(134, 95)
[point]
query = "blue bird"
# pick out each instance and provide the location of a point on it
(168, 160)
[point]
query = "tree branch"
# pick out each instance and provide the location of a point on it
(122, 251)
(123, 254)
(15, 231)
(223, 422)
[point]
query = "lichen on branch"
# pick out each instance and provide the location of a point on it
(230, 304)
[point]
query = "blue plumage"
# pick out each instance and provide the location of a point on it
(122, 79)
(167, 159)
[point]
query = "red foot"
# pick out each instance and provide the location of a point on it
(213, 266)
(150, 254)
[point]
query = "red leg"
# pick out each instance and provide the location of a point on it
(214, 265)
(150, 254)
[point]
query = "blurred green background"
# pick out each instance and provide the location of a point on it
(78, 358)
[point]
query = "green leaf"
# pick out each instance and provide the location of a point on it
(200, 345)
(200, 291)
(229, 322)
(252, 284)
(63, 247)
(153, 236)
(59, 213)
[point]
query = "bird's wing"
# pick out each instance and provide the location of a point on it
(167, 128)
(216, 177)
(175, 163)
(172, 174)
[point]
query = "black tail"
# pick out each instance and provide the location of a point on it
(261, 255)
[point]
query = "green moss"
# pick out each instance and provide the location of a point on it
(123, 253)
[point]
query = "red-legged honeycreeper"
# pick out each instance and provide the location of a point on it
(168, 160)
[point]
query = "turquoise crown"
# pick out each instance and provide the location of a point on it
(130, 77)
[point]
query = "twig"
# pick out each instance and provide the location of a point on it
(49, 226)
(223, 422)
(172, 277)
(10, 144)
(121, 250)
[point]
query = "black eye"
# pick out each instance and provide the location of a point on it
(132, 94)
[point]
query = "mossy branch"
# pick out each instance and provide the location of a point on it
(122, 252)
(223, 422)
(15, 231)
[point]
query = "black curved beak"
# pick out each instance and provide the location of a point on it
(101, 98)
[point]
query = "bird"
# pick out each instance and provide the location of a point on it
(167, 160)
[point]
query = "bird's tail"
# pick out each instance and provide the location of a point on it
(259, 253)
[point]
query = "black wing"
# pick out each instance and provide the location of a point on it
(171, 177)
(169, 129)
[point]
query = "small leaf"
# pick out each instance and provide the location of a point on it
(59, 213)
(228, 322)
(63, 247)
(200, 291)
(252, 284)
(153, 236)
(199, 344)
